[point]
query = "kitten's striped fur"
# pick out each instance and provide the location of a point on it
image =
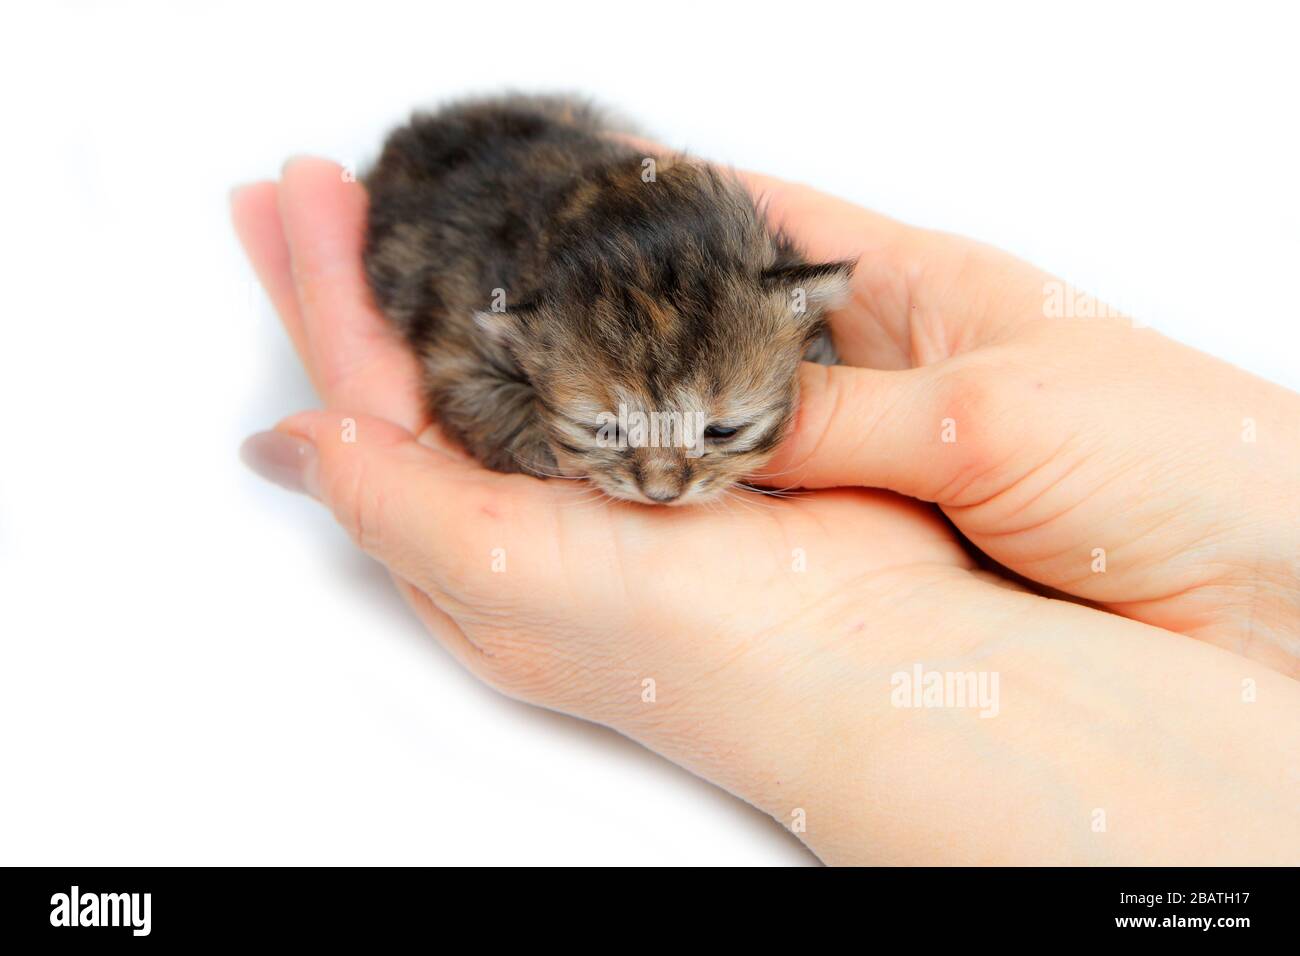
(662, 293)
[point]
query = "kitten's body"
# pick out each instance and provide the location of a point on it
(547, 273)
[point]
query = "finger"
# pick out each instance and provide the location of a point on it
(255, 211)
(876, 326)
(432, 436)
(360, 360)
(432, 518)
(920, 432)
(918, 295)
(290, 457)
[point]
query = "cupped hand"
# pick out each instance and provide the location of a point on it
(541, 589)
(755, 643)
(1088, 454)
(402, 491)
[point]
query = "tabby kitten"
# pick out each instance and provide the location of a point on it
(581, 309)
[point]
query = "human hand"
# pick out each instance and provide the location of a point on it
(1091, 456)
(771, 680)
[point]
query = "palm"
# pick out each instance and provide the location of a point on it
(534, 550)
(562, 542)
(533, 575)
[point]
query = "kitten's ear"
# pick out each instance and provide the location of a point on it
(811, 287)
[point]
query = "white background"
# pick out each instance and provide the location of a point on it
(194, 666)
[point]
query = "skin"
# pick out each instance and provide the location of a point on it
(771, 628)
(1071, 434)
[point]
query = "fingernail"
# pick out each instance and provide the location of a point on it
(284, 460)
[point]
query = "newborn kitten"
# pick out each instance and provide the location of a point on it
(581, 309)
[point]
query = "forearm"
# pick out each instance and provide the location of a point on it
(1107, 741)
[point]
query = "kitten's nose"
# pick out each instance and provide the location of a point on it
(662, 496)
(660, 478)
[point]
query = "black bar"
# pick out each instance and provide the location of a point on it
(236, 905)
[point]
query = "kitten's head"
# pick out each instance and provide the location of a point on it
(664, 357)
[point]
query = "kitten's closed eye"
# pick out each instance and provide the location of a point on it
(722, 431)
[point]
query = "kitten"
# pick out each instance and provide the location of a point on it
(581, 309)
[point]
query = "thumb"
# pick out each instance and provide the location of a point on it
(919, 432)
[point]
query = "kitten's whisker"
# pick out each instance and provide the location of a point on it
(584, 498)
(591, 501)
(538, 473)
(793, 491)
(746, 501)
(741, 503)
(772, 474)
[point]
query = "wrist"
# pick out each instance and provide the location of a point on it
(1082, 717)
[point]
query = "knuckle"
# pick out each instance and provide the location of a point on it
(970, 402)
(964, 393)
